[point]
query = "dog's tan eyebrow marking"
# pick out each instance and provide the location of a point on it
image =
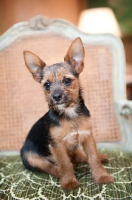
(69, 76)
(48, 77)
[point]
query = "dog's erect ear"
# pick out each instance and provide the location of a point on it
(34, 64)
(75, 55)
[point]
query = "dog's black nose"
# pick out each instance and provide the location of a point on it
(57, 96)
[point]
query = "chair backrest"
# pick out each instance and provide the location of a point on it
(22, 100)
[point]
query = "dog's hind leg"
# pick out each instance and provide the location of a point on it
(40, 163)
(79, 156)
(103, 157)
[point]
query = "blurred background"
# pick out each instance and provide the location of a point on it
(91, 16)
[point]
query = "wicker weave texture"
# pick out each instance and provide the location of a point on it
(22, 100)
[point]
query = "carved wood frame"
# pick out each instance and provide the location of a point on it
(123, 107)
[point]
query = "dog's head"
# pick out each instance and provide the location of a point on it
(60, 81)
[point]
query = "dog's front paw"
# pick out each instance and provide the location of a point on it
(104, 178)
(70, 184)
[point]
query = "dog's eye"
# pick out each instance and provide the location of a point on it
(67, 81)
(47, 85)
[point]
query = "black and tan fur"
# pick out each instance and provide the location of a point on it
(53, 143)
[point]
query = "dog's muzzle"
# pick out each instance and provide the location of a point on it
(57, 97)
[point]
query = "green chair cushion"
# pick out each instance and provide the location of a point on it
(18, 183)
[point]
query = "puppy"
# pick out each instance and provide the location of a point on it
(53, 143)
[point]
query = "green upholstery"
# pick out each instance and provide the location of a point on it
(18, 183)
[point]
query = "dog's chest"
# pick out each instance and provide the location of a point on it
(71, 133)
(73, 139)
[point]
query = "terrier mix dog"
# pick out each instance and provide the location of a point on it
(53, 143)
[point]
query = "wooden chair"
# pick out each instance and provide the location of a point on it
(22, 103)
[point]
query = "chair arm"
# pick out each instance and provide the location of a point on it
(124, 110)
(124, 107)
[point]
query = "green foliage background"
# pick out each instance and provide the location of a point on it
(122, 10)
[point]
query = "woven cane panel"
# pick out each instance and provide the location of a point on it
(98, 92)
(22, 100)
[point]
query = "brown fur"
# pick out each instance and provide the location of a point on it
(90, 156)
(42, 163)
(57, 76)
(73, 132)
